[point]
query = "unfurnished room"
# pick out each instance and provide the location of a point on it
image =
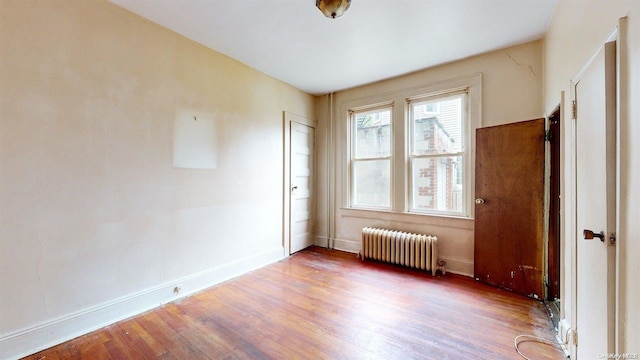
(338, 179)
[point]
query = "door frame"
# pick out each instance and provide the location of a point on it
(619, 36)
(287, 119)
(553, 181)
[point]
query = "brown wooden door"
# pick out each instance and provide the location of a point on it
(509, 207)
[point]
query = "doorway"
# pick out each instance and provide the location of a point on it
(552, 282)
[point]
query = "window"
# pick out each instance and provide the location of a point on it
(409, 152)
(371, 158)
(436, 153)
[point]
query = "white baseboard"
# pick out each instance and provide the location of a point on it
(563, 334)
(321, 241)
(346, 245)
(42, 336)
(339, 244)
(455, 265)
(459, 266)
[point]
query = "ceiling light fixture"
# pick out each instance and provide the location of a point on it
(333, 8)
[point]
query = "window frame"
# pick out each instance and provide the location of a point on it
(462, 153)
(400, 132)
(354, 159)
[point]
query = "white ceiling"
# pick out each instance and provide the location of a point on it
(292, 41)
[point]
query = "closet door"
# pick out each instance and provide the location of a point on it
(509, 188)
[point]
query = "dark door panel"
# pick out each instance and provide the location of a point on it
(509, 188)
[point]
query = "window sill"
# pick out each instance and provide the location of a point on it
(450, 221)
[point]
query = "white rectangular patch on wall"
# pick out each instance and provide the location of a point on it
(194, 140)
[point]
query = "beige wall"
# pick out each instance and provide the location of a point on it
(576, 31)
(511, 91)
(95, 222)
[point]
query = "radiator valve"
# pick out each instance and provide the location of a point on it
(442, 266)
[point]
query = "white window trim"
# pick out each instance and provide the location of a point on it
(352, 160)
(399, 165)
(464, 153)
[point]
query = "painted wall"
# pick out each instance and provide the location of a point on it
(576, 31)
(96, 223)
(511, 91)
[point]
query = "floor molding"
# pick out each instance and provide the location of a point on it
(42, 336)
(455, 265)
(322, 303)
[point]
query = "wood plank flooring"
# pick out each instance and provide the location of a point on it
(324, 304)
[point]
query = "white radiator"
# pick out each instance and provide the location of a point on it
(402, 248)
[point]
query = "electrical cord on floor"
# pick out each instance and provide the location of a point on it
(527, 338)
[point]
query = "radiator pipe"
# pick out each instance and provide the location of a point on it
(328, 167)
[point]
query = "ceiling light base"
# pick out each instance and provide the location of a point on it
(333, 8)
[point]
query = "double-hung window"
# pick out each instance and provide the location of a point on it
(371, 144)
(412, 155)
(437, 153)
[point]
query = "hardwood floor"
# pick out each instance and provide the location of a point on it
(324, 304)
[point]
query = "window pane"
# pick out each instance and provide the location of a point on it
(372, 138)
(372, 183)
(436, 184)
(437, 126)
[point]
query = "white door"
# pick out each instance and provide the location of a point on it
(301, 227)
(595, 205)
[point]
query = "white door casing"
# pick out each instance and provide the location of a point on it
(595, 159)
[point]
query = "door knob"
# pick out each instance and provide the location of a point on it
(479, 201)
(294, 188)
(589, 235)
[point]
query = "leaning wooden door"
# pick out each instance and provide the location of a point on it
(508, 250)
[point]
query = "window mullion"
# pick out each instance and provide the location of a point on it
(398, 170)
